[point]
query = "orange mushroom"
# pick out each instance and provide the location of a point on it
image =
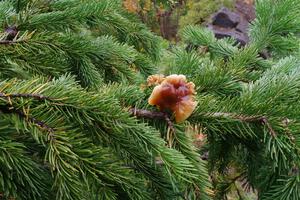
(176, 94)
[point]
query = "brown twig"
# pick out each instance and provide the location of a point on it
(161, 115)
(147, 113)
(10, 42)
(11, 110)
(262, 119)
(234, 116)
(266, 122)
(6, 42)
(25, 95)
(152, 115)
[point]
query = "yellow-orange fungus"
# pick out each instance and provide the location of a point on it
(176, 94)
(155, 79)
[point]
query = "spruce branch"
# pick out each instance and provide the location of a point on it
(244, 118)
(25, 95)
(147, 113)
(12, 39)
(21, 114)
(164, 116)
(247, 106)
(7, 109)
(266, 122)
(7, 42)
(152, 115)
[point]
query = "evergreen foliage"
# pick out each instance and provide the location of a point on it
(70, 69)
(248, 105)
(71, 73)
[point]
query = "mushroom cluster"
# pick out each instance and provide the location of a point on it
(173, 93)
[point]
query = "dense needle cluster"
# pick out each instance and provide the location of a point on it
(70, 69)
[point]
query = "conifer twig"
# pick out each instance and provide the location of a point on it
(6, 42)
(11, 110)
(25, 95)
(161, 115)
(10, 42)
(147, 113)
(263, 119)
(152, 115)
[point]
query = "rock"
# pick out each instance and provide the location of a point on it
(220, 32)
(226, 23)
(246, 8)
(243, 26)
(226, 19)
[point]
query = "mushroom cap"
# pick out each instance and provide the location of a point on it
(176, 94)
